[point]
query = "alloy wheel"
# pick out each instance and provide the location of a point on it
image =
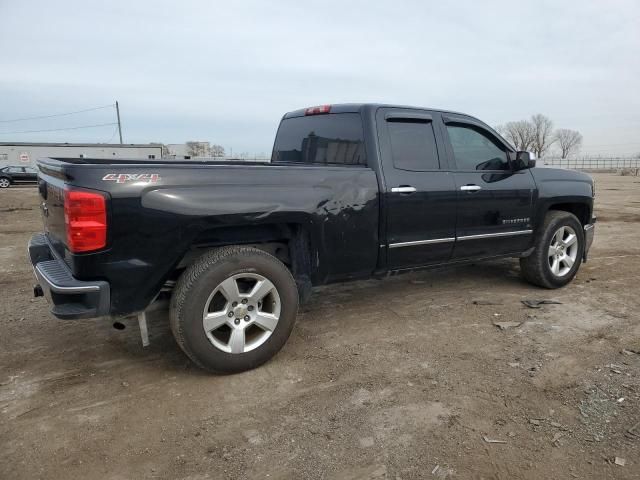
(563, 251)
(241, 313)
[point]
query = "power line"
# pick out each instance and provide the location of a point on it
(115, 130)
(61, 129)
(57, 114)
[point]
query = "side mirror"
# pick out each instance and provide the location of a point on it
(524, 160)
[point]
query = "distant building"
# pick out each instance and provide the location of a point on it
(176, 150)
(192, 149)
(28, 153)
(205, 151)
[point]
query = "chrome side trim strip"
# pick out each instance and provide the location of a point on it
(421, 242)
(588, 226)
(492, 235)
(453, 239)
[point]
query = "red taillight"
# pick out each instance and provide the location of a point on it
(318, 110)
(85, 217)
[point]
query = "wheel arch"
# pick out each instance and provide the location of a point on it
(581, 209)
(291, 243)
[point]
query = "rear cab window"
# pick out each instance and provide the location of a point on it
(328, 139)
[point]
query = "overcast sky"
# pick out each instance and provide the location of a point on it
(226, 71)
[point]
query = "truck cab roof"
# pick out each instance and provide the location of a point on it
(358, 107)
(371, 108)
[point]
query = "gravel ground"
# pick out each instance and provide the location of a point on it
(401, 378)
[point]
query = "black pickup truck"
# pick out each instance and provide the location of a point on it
(352, 191)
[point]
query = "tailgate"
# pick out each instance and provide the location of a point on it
(51, 191)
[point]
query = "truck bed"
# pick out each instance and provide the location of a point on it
(161, 212)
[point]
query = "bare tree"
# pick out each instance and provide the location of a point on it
(197, 149)
(543, 134)
(569, 141)
(520, 134)
(217, 151)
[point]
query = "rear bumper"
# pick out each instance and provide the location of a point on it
(589, 232)
(69, 298)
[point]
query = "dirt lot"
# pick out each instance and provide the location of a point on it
(401, 378)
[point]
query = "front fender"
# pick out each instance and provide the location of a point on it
(562, 187)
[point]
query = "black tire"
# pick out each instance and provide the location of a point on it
(6, 183)
(192, 293)
(536, 268)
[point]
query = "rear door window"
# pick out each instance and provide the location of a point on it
(332, 139)
(413, 145)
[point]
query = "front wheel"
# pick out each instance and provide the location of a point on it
(558, 251)
(4, 182)
(233, 309)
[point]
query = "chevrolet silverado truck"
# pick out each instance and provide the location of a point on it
(352, 191)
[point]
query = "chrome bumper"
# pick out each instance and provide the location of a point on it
(69, 298)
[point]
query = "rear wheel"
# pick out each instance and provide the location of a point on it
(559, 247)
(4, 182)
(233, 309)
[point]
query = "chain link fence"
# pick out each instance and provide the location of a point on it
(592, 163)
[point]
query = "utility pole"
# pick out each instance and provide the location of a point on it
(119, 124)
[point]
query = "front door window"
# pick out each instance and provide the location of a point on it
(474, 150)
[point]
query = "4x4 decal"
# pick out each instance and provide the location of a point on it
(131, 177)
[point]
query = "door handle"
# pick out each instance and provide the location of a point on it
(470, 188)
(403, 189)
